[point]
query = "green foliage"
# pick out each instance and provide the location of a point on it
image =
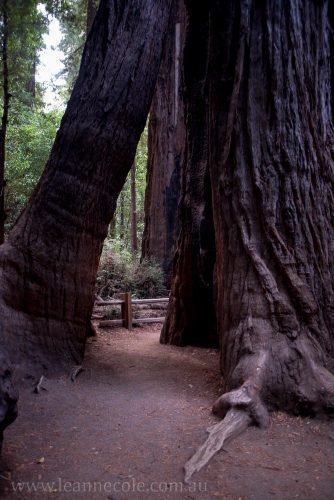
(121, 272)
(112, 312)
(26, 26)
(30, 131)
(29, 140)
(121, 231)
(73, 26)
(72, 15)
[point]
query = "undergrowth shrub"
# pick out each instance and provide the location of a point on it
(120, 271)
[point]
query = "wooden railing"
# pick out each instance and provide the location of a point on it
(127, 319)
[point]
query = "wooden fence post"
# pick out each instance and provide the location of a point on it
(127, 310)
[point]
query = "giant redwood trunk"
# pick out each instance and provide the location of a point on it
(272, 176)
(270, 156)
(49, 263)
(166, 143)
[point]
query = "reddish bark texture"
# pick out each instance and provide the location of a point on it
(166, 143)
(267, 108)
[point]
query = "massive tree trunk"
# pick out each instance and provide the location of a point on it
(191, 315)
(267, 117)
(92, 6)
(49, 263)
(331, 40)
(166, 142)
(272, 184)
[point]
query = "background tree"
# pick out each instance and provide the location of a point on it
(166, 143)
(76, 19)
(134, 236)
(31, 133)
(191, 316)
(22, 28)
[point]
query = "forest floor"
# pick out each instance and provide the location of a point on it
(131, 420)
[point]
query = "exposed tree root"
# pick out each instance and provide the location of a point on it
(231, 426)
(241, 407)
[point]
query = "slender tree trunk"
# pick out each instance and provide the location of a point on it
(122, 216)
(48, 265)
(31, 84)
(166, 143)
(4, 120)
(112, 227)
(134, 238)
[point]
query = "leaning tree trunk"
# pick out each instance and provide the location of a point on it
(331, 40)
(270, 156)
(49, 263)
(92, 6)
(191, 316)
(166, 142)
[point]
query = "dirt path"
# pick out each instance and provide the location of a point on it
(132, 419)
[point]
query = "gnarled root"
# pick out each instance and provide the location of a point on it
(235, 422)
(242, 408)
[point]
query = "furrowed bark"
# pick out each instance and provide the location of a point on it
(49, 263)
(166, 142)
(270, 157)
(191, 317)
(273, 201)
(92, 6)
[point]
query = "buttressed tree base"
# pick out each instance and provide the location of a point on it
(265, 138)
